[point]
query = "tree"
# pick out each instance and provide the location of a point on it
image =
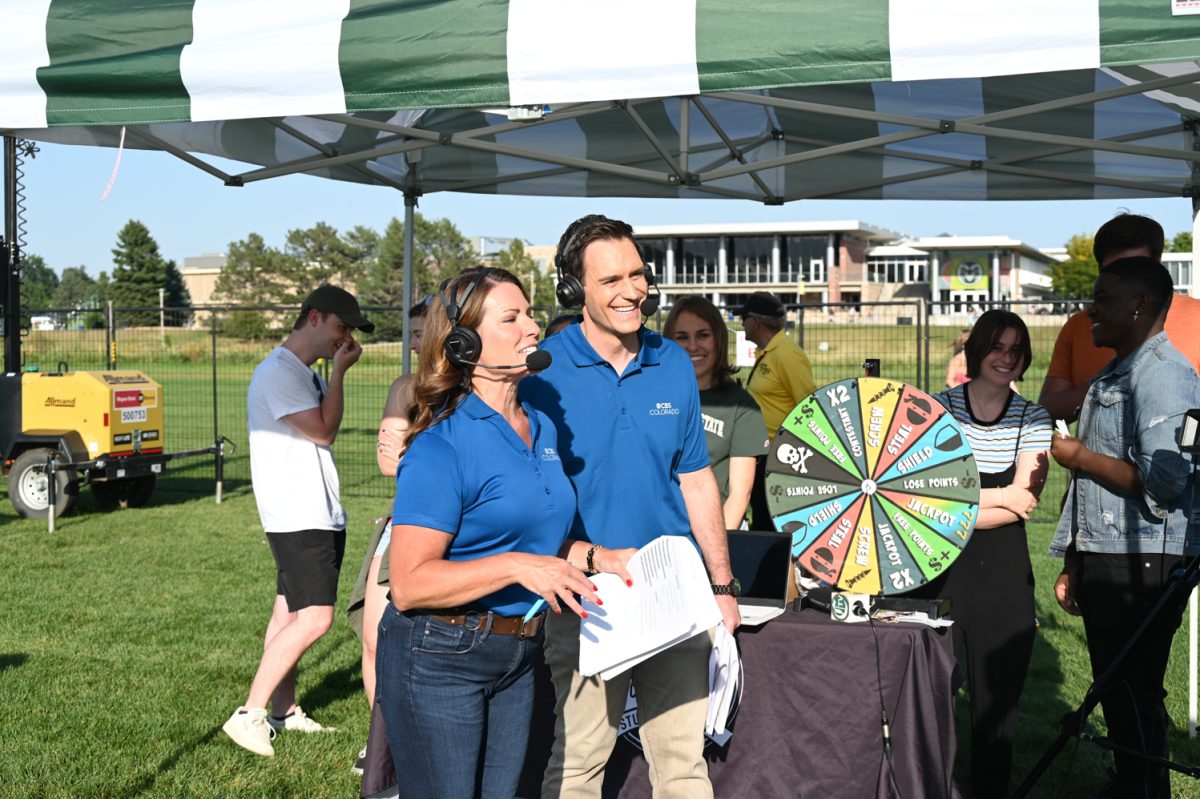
(79, 291)
(439, 251)
(1181, 243)
(139, 271)
(539, 284)
(319, 255)
(254, 275)
(1074, 277)
(177, 294)
(38, 284)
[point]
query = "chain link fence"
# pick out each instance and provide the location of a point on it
(203, 360)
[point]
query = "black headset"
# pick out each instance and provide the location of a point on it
(462, 343)
(569, 288)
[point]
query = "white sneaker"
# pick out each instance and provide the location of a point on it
(297, 721)
(249, 730)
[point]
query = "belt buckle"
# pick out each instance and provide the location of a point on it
(472, 621)
(533, 624)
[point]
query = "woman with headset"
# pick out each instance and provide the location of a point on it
(479, 536)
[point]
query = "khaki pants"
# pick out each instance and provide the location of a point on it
(672, 695)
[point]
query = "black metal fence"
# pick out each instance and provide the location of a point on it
(204, 362)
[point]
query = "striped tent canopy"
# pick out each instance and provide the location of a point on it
(771, 100)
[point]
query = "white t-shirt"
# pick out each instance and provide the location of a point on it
(295, 480)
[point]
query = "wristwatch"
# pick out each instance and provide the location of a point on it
(732, 588)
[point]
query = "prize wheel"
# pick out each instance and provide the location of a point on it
(876, 484)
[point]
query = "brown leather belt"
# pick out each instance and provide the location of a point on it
(485, 619)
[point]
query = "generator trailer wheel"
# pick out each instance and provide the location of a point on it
(29, 487)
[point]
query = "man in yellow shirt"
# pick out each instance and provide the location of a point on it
(782, 376)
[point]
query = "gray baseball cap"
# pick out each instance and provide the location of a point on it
(332, 299)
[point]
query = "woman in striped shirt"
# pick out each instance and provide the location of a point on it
(990, 585)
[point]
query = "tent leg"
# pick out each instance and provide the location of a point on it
(410, 204)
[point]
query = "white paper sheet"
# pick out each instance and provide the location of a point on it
(670, 601)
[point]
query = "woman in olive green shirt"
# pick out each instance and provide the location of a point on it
(733, 424)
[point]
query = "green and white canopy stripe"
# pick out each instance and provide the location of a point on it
(81, 62)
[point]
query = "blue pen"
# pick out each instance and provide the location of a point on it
(535, 610)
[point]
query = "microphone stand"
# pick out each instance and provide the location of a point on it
(1184, 580)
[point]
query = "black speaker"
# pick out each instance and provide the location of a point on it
(463, 344)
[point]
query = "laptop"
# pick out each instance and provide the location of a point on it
(762, 563)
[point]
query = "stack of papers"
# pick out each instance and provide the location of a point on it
(724, 680)
(671, 600)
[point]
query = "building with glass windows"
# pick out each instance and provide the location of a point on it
(839, 262)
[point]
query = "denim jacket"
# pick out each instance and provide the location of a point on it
(1133, 411)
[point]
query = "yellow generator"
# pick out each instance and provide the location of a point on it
(106, 426)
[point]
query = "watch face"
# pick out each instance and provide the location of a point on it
(736, 585)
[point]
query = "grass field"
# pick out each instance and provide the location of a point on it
(127, 639)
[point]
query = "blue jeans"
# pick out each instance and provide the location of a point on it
(457, 703)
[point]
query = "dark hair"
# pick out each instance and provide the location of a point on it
(986, 334)
(420, 308)
(1127, 231)
(582, 232)
(558, 323)
(705, 311)
(440, 385)
(1145, 276)
(302, 318)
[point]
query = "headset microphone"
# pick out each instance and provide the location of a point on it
(534, 362)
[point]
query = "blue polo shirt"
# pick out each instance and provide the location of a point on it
(471, 475)
(624, 439)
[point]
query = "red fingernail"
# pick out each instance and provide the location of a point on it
(594, 588)
(557, 612)
(629, 583)
(599, 601)
(584, 614)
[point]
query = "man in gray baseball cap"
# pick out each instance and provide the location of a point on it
(293, 416)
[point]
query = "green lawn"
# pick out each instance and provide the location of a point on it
(128, 638)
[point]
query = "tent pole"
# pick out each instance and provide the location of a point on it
(410, 204)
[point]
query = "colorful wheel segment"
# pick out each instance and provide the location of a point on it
(876, 484)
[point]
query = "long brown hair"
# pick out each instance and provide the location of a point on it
(439, 385)
(705, 311)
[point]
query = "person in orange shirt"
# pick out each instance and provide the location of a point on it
(1076, 359)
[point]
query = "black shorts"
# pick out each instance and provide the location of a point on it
(308, 563)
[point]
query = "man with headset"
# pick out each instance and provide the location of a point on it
(627, 409)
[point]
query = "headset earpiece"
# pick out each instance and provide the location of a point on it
(462, 343)
(650, 304)
(568, 290)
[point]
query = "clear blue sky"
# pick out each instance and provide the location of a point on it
(190, 213)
